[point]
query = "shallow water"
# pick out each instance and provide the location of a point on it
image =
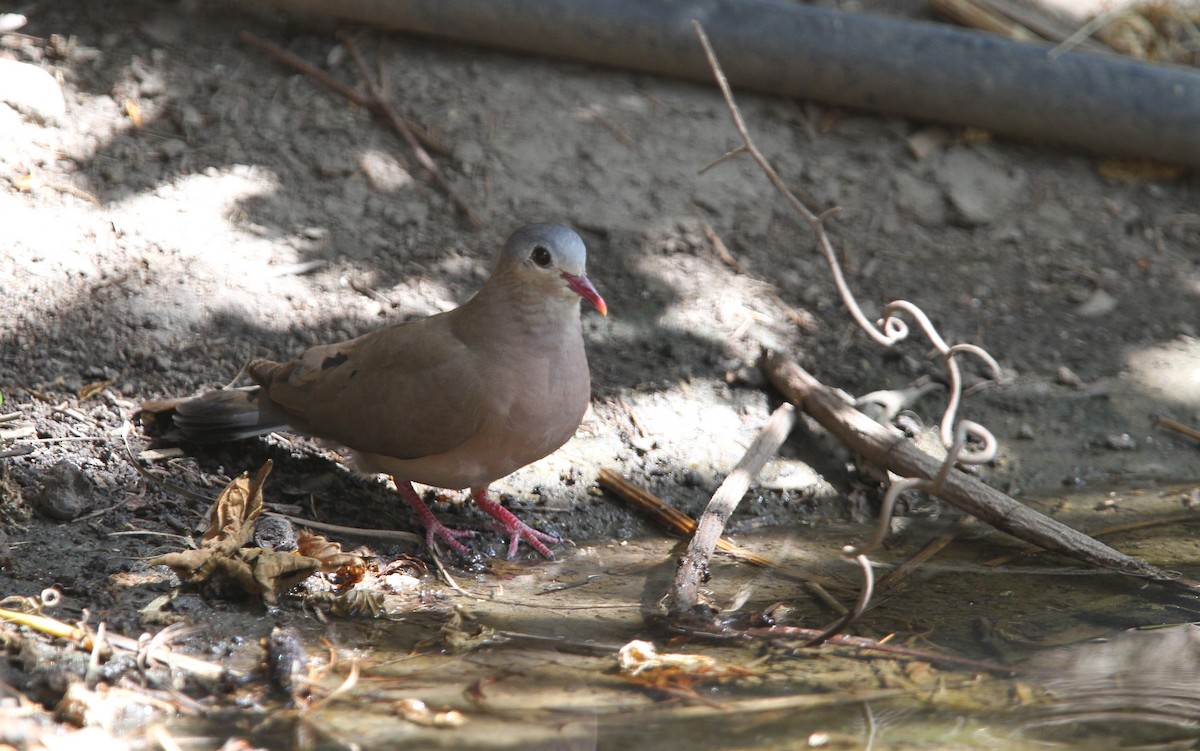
(1101, 660)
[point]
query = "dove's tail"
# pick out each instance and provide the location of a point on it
(216, 416)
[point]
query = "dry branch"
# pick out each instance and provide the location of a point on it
(380, 105)
(888, 447)
(417, 139)
(1178, 427)
(1014, 20)
(684, 596)
(682, 524)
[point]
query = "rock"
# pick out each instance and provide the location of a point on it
(920, 199)
(172, 148)
(11, 22)
(979, 191)
(384, 172)
(927, 141)
(275, 533)
(1067, 377)
(1053, 220)
(30, 89)
(1120, 442)
(1100, 303)
(64, 492)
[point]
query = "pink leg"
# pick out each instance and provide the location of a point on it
(510, 525)
(433, 528)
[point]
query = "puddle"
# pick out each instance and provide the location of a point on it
(1102, 660)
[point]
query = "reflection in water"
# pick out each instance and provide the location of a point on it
(1141, 685)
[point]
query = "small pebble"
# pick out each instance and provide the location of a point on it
(64, 492)
(1120, 442)
(1067, 377)
(274, 533)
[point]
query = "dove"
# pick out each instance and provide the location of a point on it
(456, 400)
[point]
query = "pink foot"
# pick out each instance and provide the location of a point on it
(433, 527)
(509, 524)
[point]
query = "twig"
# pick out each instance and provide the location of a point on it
(888, 447)
(816, 221)
(857, 643)
(441, 567)
(331, 83)
(124, 431)
(930, 549)
(380, 105)
(889, 330)
(718, 245)
(860, 605)
(1184, 518)
(1178, 427)
(1083, 33)
(684, 596)
(295, 61)
(684, 525)
(378, 534)
(374, 294)
(162, 653)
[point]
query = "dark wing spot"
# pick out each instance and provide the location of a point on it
(333, 362)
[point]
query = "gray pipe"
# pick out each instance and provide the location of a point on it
(920, 70)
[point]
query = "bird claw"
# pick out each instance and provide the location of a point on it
(507, 523)
(433, 527)
(522, 531)
(449, 535)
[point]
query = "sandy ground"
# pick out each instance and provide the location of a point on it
(252, 213)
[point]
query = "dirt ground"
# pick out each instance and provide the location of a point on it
(199, 205)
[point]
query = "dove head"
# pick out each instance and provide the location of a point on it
(550, 258)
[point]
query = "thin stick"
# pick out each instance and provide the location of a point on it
(858, 643)
(295, 61)
(685, 591)
(380, 105)
(1083, 33)
(1178, 427)
(331, 83)
(125, 430)
(683, 525)
(1185, 518)
(377, 534)
(718, 245)
(815, 221)
(162, 653)
(930, 549)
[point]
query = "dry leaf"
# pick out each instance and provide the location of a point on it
(356, 602)
(459, 638)
(267, 573)
(258, 571)
(672, 673)
(327, 552)
(134, 112)
(419, 713)
(93, 389)
(232, 517)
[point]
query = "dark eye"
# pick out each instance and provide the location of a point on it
(541, 256)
